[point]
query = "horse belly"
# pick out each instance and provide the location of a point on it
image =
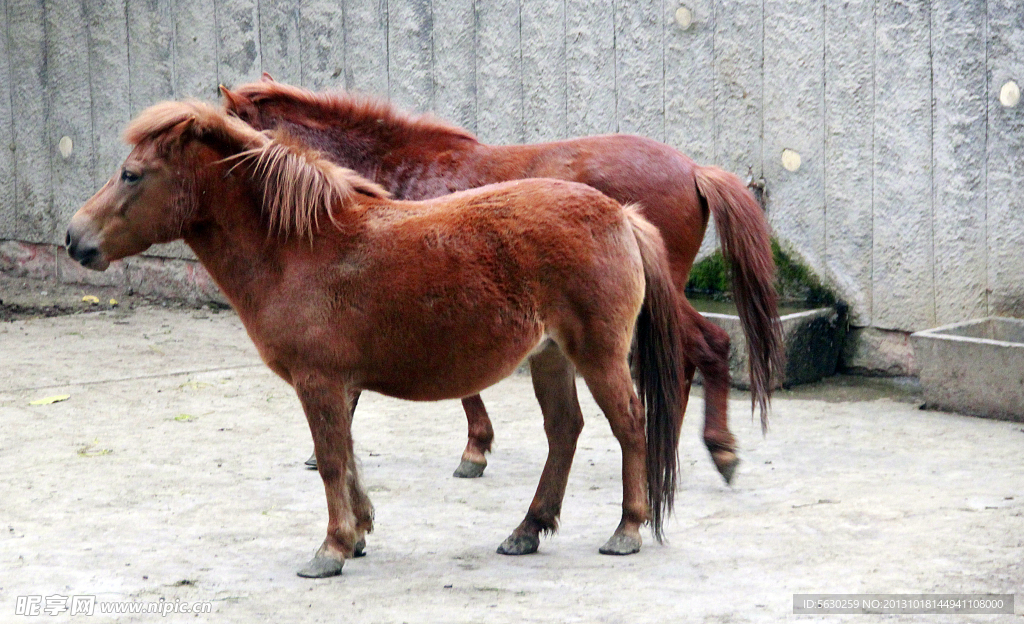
(450, 363)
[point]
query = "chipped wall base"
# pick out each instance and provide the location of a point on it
(172, 278)
(878, 352)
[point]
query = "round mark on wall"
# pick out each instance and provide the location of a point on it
(1009, 95)
(66, 146)
(790, 159)
(684, 17)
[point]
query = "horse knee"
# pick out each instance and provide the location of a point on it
(708, 350)
(717, 339)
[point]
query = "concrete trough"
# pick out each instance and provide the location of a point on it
(975, 367)
(813, 340)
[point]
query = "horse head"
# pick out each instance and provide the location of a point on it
(153, 195)
(185, 154)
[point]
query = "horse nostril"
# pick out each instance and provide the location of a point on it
(83, 245)
(86, 256)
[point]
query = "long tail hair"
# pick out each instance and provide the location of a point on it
(746, 247)
(657, 369)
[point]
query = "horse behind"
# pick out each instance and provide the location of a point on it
(420, 157)
(343, 290)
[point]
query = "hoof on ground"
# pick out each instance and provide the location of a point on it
(311, 462)
(621, 544)
(726, 462)
(321, 567)
(360, 549)
(519, 545)
(469, 470)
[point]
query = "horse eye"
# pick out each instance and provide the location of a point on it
(129, 176)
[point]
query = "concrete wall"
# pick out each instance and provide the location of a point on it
(909, 196)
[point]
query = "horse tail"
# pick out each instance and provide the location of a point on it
(657, 363)
(746, 247)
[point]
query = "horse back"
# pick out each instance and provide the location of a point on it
(534, 224)
(630, 169)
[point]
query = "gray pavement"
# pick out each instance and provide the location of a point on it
(173, 474)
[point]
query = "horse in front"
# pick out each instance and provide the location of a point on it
(343, 290)
(420, 157)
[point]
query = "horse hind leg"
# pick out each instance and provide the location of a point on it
(612, 388)
(707, 347)
(481, 434)
(554, 383)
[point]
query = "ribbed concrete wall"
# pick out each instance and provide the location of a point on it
(909, 196)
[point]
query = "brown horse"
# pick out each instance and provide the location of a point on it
(422, 157)
(344, 290)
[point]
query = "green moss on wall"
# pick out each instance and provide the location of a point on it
(795, 282)
(710, 277)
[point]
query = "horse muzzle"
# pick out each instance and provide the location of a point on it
(83, 246)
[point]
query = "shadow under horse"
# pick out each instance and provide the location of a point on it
(423, 157)
(343, 290)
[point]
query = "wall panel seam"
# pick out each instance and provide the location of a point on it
(10, 97)
(51, 205)
(988, 97)
(931, 173)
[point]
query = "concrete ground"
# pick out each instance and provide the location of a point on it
(173, 473)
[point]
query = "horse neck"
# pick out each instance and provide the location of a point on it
(349, 147)
(426, 169)
(231, 241)
(431, 169)
(398, 158)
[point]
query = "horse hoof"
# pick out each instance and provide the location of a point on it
(519, 545)
(469, 470)
(311, 462)
(621, 544)
(726, 462)
(321, 567)
(360, 549)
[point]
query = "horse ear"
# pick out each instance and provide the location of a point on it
(237, 104)
(165, 123)
(267, 78)
(174, 133)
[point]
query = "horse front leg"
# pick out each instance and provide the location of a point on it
(481, 434)
(311, 462)
(328, 408)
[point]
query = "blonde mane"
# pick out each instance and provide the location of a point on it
(298, 184)
(337, 106)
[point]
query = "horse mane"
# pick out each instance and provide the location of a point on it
(356, 110)
(299, 185)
